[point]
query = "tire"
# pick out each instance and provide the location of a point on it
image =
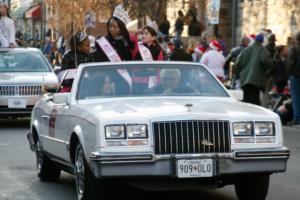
(47, 170)
(87, 187)
(250, 187)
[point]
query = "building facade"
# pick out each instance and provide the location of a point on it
(244, 17)
(280, 16)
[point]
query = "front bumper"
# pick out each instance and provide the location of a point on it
(5, 111)
(263, 161)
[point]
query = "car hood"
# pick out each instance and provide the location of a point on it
(170, 108)
(28, 78)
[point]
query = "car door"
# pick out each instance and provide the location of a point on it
(53, 142)
(63, 127)
(43, 111)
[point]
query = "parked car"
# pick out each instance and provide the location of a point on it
(155, 122)
(24, 72)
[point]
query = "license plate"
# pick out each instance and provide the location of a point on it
(195, 168)
(17, 103)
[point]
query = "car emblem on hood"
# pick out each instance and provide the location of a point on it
(189, 106)
(206, 143)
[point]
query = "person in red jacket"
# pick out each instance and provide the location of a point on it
(149, 48)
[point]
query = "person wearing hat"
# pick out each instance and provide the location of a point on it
(214, 60)
(271, 46)
(7, 28)
(232, 57)
(118, 44)
(179, 53)
(149, 41)
(79, 51)
(149, 50)
(293, 70)
(254, 65)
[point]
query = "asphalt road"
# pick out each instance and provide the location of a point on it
(18, 179)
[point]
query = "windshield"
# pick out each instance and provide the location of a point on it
(22, 62)
(147, 80)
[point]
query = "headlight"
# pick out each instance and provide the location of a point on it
(243, 129)
(137, 131)
(115, 132)
(264, 129)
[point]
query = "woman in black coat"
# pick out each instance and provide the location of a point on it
(279, 60)
(119, 38)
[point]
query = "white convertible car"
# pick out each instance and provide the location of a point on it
(155, 124)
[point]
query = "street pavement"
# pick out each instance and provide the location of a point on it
(18, 179)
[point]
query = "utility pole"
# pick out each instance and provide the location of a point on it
(9, 5)
(234, 21)
(43, 20)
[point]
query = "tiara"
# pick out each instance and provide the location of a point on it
(153, 25)
(80, 36)
(121, 14)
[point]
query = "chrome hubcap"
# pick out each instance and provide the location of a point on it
(79, 173)
(39, 156)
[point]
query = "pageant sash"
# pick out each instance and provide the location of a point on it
(147, 56)
(145, 53)
(113, 56)
(109, 51)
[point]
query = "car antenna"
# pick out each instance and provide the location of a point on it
(75, 47)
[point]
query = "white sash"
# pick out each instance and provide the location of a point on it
(5, 39)
(147, 56)
(145, 53)
(109, 51)
(113, 56)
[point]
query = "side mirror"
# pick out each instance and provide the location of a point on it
(61, 98)
(237, 94)
(51, 90)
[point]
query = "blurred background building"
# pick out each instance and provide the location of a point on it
(235, 17)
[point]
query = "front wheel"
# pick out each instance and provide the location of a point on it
(47, 170)
(250, 187)
(88, 188)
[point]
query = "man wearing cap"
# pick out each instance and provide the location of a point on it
(271, 46)
(253, 66)
(233, 54)
(7, 28)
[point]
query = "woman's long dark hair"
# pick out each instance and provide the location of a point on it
(123, 29)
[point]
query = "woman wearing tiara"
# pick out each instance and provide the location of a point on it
(150, 49)
(7, 28)
(79, 51)
(117, 45)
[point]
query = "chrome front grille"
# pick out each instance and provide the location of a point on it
(18, 90)
(190, 137)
